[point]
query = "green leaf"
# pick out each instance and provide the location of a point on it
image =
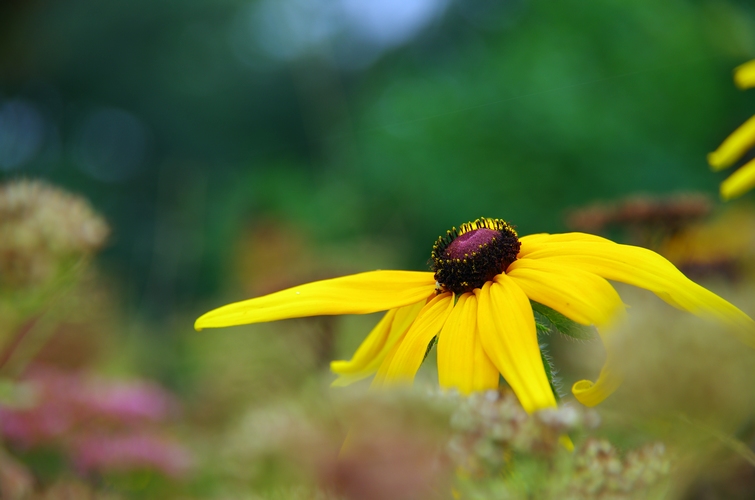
(542, 324)
(429, 346)
(550, 371)
(547, 319)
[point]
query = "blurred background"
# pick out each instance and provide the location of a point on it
(192, 125)
(218, 150)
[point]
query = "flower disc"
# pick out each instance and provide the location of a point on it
(467, 257)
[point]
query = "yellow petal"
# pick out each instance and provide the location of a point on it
(462, 362)
(356, 294)
(369, 348)
(738, 143)
(579, 295)
(646, 269)
(376, 346)
(531, 242)
(401, 365)
(744, 75)
(380, 380)
(739, 182)
(589, 393)
(507, 332)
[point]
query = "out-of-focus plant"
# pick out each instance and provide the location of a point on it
(47, 238)
(98, 425)
(45, 231)
(685, 228)
(503, 452)
(644, 220)
(426, 445)
(56, 416)
(16, 482)
(721, 246)
(354, 446)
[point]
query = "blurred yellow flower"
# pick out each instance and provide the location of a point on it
(477, 301)
(737, 144)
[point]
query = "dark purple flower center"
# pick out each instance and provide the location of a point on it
(468, 257)
(470, 242)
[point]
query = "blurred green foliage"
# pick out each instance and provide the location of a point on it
(516, 109)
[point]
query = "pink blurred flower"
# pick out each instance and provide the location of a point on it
(99, 424)
(32, 427)
(131, 452)
(127, 401)
(64, 401)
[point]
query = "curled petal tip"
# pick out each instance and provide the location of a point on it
(593, 393)
(583, 390)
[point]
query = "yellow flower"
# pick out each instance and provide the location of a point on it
(737, 144)
(477, 302)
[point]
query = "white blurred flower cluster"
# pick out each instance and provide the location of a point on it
(43, 228)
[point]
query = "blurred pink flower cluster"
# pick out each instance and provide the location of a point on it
(121, 453)
(100, 425)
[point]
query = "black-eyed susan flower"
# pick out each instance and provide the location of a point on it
(737, 144)
(476, 301)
